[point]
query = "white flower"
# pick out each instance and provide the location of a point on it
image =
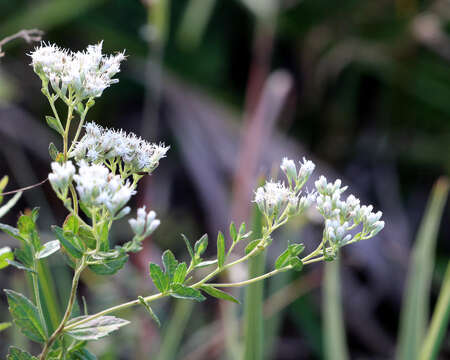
(274, 197)
(306, 169)
(145, 223)
(100, 144)
(61, 176)
(289, 168)
(300, 178)
(87, 72)
(96, 186)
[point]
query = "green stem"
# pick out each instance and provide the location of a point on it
(37, 295)
(76, 277)
(80, 125)
(253, 280)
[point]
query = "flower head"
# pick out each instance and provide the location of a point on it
(61, 176)
(88, 73)
(97, 187)
(100, 144)
(274, 197)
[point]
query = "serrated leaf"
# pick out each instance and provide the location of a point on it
(48, 249)
(160, 279)
(69, 242)
(184, 292)
(206, 263)
(87, 236)
(219, 294)
(170, 264)
(233, 232)
(71, 224)
(25, 255)
(5, 255)
(149, 310)
(201, 245)
(180, 273)
(54, 124)
(253, 244)
(18, 354)
(221, 249)
(189, 246)
(109, 266)
(53, 151)
(96, 328)
(296, 263)
(20, 266)
(283, 259)
(4, 325)
(26, 316)
(27, 229)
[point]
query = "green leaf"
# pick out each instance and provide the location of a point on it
(69, 242)
(110, 265)
(5, 255)
(296, 249)
(25, 255)
(296, 263)
(160, 279)
(54, 124)
(26, 316)
(71, 224)
(48, 249)
(414, 315)
(82, 354)
(221, 249)
(170, 264)
(242, 229)
(233, 232)
(219, 294)
(253, 244)
(188, 245)
(206, 263)
(201, 245)
(87, 236)
(4, 325)
(11, 202)
(3, 183)
(184, 292)
(53, 151)
(283, 259)
(103, 236)
(96, 328)
(18, 354)
(149, 310)
(27, 229)
(20, 266)
(12, 231)
(180, 273)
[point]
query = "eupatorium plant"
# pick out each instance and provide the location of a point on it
(95, 173)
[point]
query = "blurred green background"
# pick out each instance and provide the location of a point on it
(360, 87)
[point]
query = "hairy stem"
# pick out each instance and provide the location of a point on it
(76, 277)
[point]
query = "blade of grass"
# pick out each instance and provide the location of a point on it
(414, 315)
(334, 328)
(439, 322)
(253, 303)
(175, 329)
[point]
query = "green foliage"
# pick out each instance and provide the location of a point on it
(48, 249)
(109, 262)
(221, 249)
(160, 279)
(26, 316)
(180, 273)
(149, 310)
(6, 255)
(184, 292)
(4, 325)
(170, 264)
(18, 354)
(96, 328)
(414, 314)
(69, 241)
(219, 294)
(290, 256)
(54, 124)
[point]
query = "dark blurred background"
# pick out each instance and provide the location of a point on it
(360, 87)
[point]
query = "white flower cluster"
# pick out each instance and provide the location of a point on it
(97, 187)
(275, 197)
(342, 216)
(100, 144)
(298, 178)
(145, 223)
(61, 176)
(87, 72)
